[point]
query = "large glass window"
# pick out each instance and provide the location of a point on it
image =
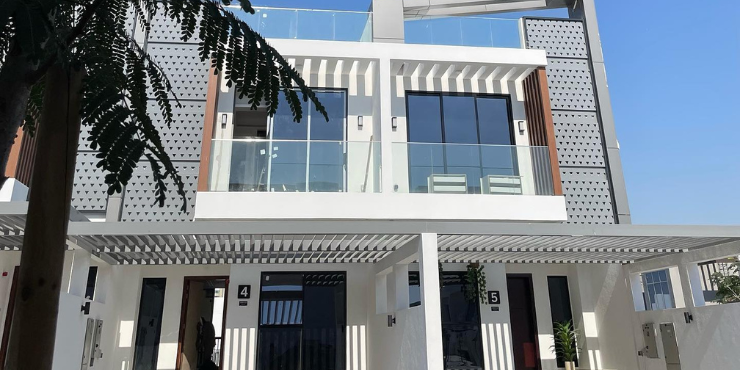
(309, 155)
(560, 310)
(302, 321)
(457, 134)
(462, 341)
(149, 324)
(657, 290)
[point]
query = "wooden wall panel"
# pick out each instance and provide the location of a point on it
(540, 122)
(210, 118)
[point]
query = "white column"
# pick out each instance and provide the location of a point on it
(431, 305)
(637, 297)
(401, 277)
(694, 278)
(386, 131)
(381, 294)
(80, 270)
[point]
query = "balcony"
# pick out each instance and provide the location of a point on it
(309, 24)
(294, 166)
(472, 169)
(464, 31)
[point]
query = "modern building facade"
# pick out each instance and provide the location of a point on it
(456, 143)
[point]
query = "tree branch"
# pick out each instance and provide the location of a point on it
(76, 32)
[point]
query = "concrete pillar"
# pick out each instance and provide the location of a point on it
(388, 21)
(381, 294)
(223, 133)
(586, 11)
(386, 130)
(80, 270)
(636, 287)
(401, 277)
(694, 278)
(114, 208)
(430, 298)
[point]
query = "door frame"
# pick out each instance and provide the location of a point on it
(9, 318)
(184, 311)
(533, 313)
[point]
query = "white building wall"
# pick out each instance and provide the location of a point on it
(710, 341)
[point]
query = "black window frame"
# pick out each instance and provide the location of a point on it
(303, 311)
(474, 96)
(440, 94)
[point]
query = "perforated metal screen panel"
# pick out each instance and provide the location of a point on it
(189, 78)
(577, 129)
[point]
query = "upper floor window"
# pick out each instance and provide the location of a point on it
(290, 156)
(657, 290)
(464, 135)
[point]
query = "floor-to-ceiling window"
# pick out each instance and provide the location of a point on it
(462, 134)
(149, 323)
(302, 321)
(309, 155)
(462, 340)
(281, 155)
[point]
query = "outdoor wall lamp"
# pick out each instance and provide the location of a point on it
(688, 317)
(394, 122)
(521, 127)
(223, 120)
(359, 121)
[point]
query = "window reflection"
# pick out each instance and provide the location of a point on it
(473, 133)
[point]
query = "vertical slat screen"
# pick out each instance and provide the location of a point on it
(542, 134)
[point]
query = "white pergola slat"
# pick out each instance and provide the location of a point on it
(363, 241)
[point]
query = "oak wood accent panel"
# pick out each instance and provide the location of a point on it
(21, 157)
(26, 159)
(208, 126)
(541, 127)
(15, 151)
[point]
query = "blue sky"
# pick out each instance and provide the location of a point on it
(674, 74)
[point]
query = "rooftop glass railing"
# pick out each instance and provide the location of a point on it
(464, 31)
(295, 166)
(309, 24)
(471, 169)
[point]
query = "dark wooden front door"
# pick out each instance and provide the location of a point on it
(523, 322)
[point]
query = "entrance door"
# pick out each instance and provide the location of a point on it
(462, 343)
(202, 322)
(523, 322)
(302, 321)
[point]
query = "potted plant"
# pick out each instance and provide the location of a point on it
(565, 345)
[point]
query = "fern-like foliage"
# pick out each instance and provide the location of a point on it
(122, 79)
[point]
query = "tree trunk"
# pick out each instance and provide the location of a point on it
(15, 90)
(34, 324)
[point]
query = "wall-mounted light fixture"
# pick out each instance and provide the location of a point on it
(688, 317)
(223, 120)
(394, 122)
(521, 127)
(359, 121)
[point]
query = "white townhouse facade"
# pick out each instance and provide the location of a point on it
(456, 142)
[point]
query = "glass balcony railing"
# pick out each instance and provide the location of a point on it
(309, 24)
(464, 31)
(471, 169)
(294, 166)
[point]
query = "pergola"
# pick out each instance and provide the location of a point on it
(362, 241)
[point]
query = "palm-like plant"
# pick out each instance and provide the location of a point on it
(565, 343)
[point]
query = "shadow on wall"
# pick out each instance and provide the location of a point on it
(240, 348)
